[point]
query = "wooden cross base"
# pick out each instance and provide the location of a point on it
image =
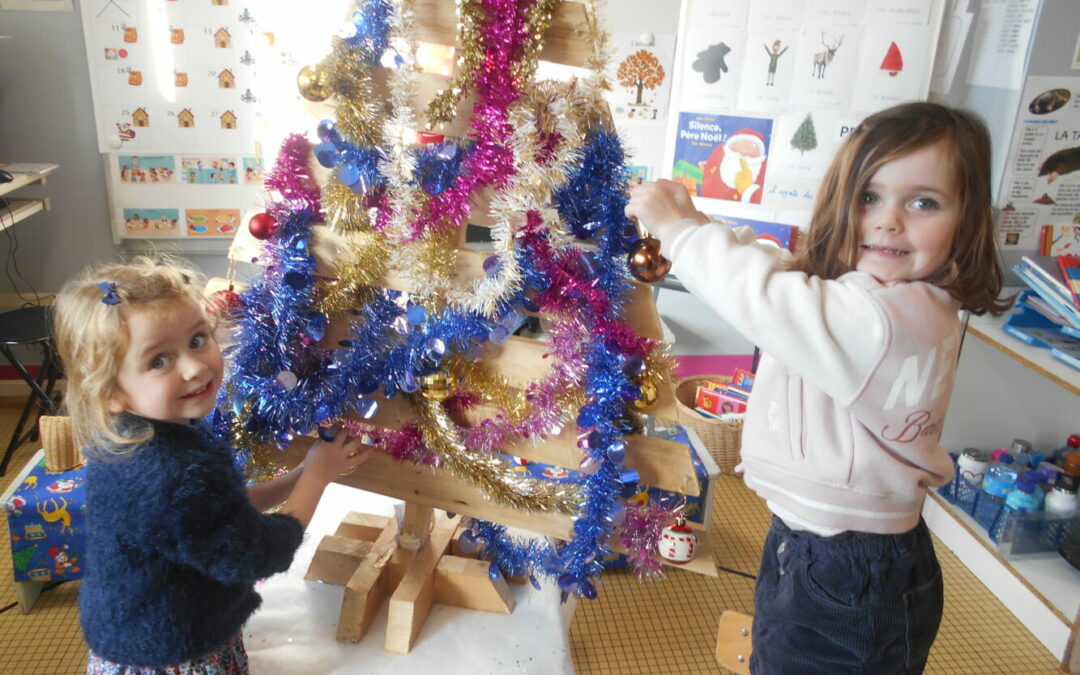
(371, 560)
(733, 646)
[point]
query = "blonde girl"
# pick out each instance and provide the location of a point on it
(175, 541)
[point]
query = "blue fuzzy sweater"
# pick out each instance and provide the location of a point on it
(174, 547)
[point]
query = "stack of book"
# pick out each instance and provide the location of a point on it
(1056, 300)
(720, 399)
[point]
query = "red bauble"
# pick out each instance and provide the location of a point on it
(224, 303)
(425, 137)
(262, 225)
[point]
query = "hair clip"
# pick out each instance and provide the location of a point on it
(109, 289)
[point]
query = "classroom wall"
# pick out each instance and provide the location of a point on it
(43, 68)
(46, 115)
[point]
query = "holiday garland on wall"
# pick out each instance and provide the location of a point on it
(561, 246)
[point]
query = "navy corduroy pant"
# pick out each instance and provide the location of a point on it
(852, 603)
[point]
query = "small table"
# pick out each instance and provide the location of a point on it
(46, 514)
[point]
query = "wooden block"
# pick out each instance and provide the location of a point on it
(411, 602)
(733, 645)
(363, 526)
(367, 588)
(464, 582)
(336, 559)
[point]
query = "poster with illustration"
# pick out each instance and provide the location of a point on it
(253, 170)
(641, 81)
(722, 156)
(804, 143)
(767, 70)
(826, 64)
(146, 168)
(1040, 192)
(894, 66)
(208, 170)
(712, 51)
(151, 222)
(212, 222)
(637, 173)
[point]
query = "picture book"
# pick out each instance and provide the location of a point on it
(1070, 274)
(778, 234)
(1059, 240)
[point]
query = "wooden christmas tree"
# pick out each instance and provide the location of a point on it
(372, 311)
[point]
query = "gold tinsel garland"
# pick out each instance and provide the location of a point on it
(491, 473)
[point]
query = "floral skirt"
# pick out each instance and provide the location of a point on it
(229, 659)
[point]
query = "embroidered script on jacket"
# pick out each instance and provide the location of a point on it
(920, 385)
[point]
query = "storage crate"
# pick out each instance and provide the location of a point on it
(1014, 533)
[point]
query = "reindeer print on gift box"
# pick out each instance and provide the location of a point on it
(823, 59)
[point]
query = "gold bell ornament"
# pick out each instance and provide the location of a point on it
(649, 395)
(437, 386)
(314, 83)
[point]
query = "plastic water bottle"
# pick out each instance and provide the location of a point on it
(1062, 500)
(1072, 444)
(1000, 477)
(1027, 496)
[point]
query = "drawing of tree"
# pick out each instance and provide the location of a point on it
(805, 137)
(642, 70)
(21, 559)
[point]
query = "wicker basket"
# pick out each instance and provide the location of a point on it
(59, 444)
(721, 438)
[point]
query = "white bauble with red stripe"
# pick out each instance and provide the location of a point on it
(678, 543)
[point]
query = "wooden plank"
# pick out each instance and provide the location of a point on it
(733, 644)
(464, 582)
(367, 588)
(436, 21)
(438, 488)
(411, 602)
(336, 559)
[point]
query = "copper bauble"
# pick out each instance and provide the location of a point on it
(314, 83)
(645, 261)
(437, 386)
(262, 226)
(649, 395)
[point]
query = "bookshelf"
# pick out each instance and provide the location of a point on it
(18, 209)
(1007, 389)
(988, 329)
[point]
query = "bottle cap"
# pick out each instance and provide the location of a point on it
(1006, 458)
(1072, 463)
(975, 454)
(1027, 482)
(1019, 446)
(1074, 441)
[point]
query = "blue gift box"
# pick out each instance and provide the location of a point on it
(46, 514)
(697, 508)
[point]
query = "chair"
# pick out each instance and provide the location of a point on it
(21, 328)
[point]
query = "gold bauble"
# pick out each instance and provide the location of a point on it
(314, 83)
(649, 395)
(437, 386)
(645, 261)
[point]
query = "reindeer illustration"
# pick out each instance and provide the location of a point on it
(58, 513)
(823, 59)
